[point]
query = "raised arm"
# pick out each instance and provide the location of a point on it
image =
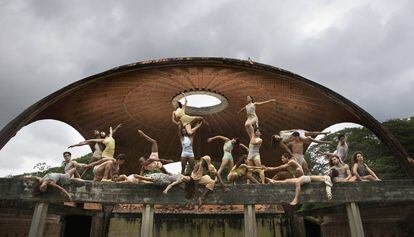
(309, 140)
(225, 139)
(185, 102)
(264, 102)
(80, 144)
(193, 130)
(116, 128)
(111, 132)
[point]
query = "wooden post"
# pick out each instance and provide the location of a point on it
(147, 223)
(97, 226)
(249, 221)
(299, 226)
(38, 220)
(354, 220)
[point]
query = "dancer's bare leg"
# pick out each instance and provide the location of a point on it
(183, 165)
(93, 159)
(306, 168)
(224, 163)
(249, 127)
(154, 146)
(315, 133)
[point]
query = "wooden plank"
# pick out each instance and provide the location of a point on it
(111, 193)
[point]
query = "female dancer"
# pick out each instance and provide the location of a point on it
(240, 171)
(327, 179)
(361, 170)
(290, 165)
(341, 148)
(187, 154)
(153, 164)
(254, 153)
(344, 173)
(98, 146)
(51, 179)
(252, 119)
(179, 116)
(227, 160)
(200, 177)
(162, 179)
(107, 169)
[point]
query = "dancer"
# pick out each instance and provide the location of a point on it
(344, 173)
(180, 116)
(241, 171)
(153, 164)
(69, 164)
(327, 179)
(200, 177)
(295, 147)
(51, 179)
(227, 160)
(163, 179)
(187, 154)
(361, 169)
(107, 169)
(254, 153)
(108, 141)
(341, 148)
(98, 146)
(289, 165)
(252, 120)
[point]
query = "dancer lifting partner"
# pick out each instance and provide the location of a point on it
(187, 154)
(227, 160)
(252, 119)
(327, 179)
(180, 116)
(153, 164)
(295, 147)
(254, 153)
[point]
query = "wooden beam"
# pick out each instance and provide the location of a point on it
(38, 220)
(113, 193)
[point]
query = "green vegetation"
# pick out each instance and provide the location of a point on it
(376, 154)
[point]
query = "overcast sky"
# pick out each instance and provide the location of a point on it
(361, 49)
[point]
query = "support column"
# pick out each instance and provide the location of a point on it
(38, 220)
(354, 220)
(249, 221)
(97, 226)
(147, 223)
(299, 226)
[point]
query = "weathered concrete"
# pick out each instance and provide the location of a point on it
(354, 220)
(250, 229)
(38, 220)
(98, 192)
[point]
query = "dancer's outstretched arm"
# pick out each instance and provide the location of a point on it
(244, 146)
(80, 144)
(116, 128)
(225, 139)
(61, 189)
(241, 110)
(264, 102)
(193, 130)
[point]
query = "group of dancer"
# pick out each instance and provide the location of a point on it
(294, 168)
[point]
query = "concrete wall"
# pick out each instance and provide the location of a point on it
(176, 225)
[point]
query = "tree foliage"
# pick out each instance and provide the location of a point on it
(376, 154)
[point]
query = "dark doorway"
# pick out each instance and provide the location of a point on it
(79, 226)
(312, 229)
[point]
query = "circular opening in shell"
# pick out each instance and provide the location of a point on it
(202, 102)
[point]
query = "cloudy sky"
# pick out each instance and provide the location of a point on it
(361, 49)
